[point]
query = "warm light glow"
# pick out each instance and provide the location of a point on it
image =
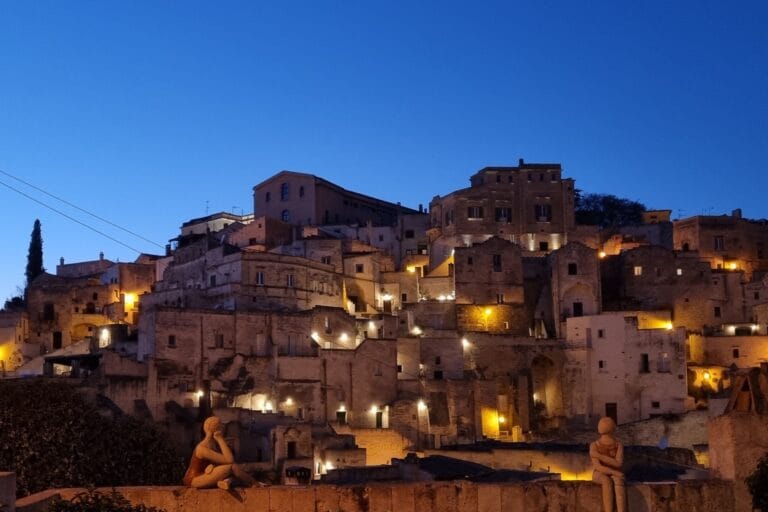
(411, 269)
(668, 326)
(733, 265)
(374, 409)
(441, 298)
(129, 301)
(344, 337)
(289, 401)
(314, 336)
(342, 408)
(602, 254)
(487, 312)
(422, 406)
(502, 419)
(386, 297)
(707, 375)
(465, 343)
(200, 393)
(328, 465)
(268, 406)
(416, 331)
(371, 325)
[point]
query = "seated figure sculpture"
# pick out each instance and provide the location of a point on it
(607, 455)
(211, 468)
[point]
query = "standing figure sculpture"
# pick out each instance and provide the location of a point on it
(209, 467)
(607, 455)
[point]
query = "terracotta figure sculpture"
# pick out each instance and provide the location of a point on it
(209, 467)
(607, 455)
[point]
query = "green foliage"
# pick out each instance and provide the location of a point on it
(95, 501)
(35, 255)
(52, 436)
(758, 485)
(606, 210)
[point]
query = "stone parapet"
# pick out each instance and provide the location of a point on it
(459, 496)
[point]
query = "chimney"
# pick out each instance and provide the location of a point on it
(520, 162)
(736, 213)
(167, 249)
(101, 256)
(61, 260)
(421, 208)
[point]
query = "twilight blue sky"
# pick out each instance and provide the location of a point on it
(144, 112)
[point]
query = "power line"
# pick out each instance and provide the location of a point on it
(102, 219)
(69, 217)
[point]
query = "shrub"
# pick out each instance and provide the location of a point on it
(95, 501)
(52, 436)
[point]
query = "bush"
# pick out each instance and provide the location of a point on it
(95, 501)
(52, 436)
(758, 485)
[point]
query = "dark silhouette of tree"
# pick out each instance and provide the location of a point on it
(606, 210)
(758, 485)
(35, 255)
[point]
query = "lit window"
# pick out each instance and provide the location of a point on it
(679, 271)
(638, 271)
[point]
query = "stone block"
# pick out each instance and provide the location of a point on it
(512, 497)
(466, 496)
(326, 498)
(446, 497)
(535, 498)
(256, 499)
(8, 491)
(280, 499)
(561, 496)
(403, 498)
(303, 499)
(425, 498)
(353, 499)
(589, 497)
(489, 498)
(380, 498)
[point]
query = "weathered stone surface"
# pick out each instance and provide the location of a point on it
(403, 498)
(489, 498)
(353, 499)
(7, 491)
(380, 498)
(280, 499)
(326, 498)
(303, 499)
(466, 497)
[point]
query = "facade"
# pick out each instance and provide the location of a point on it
(306, 200)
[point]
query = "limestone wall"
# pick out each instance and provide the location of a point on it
(701, 495)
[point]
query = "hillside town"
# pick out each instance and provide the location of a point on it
(335, 333)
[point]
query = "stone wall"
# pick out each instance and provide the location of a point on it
(701, 495)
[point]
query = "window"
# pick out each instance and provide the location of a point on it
(470, 261)
(503, 214)
(284, 191)
(399, 368)
(497, 262)
(601, 333)
(662, 365)
(301, 191)
(291, 449)
(601, 365)
(359, 268)
(475, 212)
(500, 298)
(541, 177)
(511, 178)
(449, 217)
(498, 178)
(638, 270)
(438, 375)
(543, 246)
(95, 296)
(267, 197)
(57, 340)
(219, 340)
(403, 297)
(341, 417)
(260, 278)
(171, 341)
(377, 370)
(530, 177)
(757, 295)
(645, 364)
(325, 259)
(735, 353)
(719, 243)
(437, 360)
(213, 280)
(409, 233)
(679, 271)
(289, 282)
(572, 269)
(717, 311)
(543, 212)
(655, 405)
(381, 238)
(285, 216)
(578, 309)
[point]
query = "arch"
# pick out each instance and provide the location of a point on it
(578, 300)
(546, 388)
(285, 216)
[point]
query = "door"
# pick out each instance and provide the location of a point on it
(578, 309)
(380, 419)
(611, 411)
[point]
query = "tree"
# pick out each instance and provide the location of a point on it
(53, 436)
(35, 255)
(758, 485)
(607, 210)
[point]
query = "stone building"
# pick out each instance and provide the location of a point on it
(306, 200)
(636, 362)
(14, 346)
(727, 242)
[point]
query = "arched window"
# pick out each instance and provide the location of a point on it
(301, 191)
(284, 191)
(267, 197)
(285, 216)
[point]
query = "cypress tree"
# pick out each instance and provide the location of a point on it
(35, 256)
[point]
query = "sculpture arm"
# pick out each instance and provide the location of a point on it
(224, 447)
(595, 455)
(212, 456)
(620, 456)
(606, 470)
